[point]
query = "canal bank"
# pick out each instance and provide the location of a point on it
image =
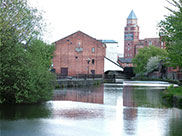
(62, 83)
(172, 97)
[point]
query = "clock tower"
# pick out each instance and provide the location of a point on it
(131, 35)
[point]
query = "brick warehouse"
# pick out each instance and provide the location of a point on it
(77, 54)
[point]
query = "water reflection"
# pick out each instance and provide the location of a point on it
(75, 110)
(89, 94)
(15, 112)
(130, 114)
(128, 99)
(108, 110)
(142, 96)
(130, 120)
(175, 123)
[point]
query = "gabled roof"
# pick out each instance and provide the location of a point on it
(132, 15)
(78, 32)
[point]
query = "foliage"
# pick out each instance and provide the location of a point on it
(141, 59)
(25, 76)
(171, 31)
(173, 96)
(177, 91)
(24, 60)
(153, 63)
(18, 22)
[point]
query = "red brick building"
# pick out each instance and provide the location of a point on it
(132, 42)
(79, 53)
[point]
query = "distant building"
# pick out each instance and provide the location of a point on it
(79, 53)
(111, 58)
(132, 42)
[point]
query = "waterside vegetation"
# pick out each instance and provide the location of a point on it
(173, 96)
(171, 31)
(24, 58)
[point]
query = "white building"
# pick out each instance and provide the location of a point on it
(110, 61)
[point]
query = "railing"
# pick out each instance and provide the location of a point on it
(80, 76)
(109, 76)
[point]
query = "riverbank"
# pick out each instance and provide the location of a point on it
(62, 83)
(173, 97)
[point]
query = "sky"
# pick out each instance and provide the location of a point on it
(101, 19)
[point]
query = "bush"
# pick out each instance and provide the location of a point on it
(25, 76)
(173, 96)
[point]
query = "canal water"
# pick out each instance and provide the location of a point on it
(132, 109)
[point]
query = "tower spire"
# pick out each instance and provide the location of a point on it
(132, 15)
(131, 35)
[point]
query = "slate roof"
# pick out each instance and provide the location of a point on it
(125, 60)
(108, 41)
(132, 15)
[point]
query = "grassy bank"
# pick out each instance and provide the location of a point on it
(173, 96)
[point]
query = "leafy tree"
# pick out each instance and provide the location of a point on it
(24, 61)
(141, 59)
(153, 63)
(171, 31)
(18, 22)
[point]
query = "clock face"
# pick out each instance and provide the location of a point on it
(128, 37)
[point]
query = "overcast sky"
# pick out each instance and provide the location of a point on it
(101, 19)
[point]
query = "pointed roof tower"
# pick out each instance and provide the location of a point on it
(132, 15)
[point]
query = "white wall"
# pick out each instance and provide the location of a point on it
(111, 53)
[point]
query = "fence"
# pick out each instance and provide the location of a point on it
(80, 76)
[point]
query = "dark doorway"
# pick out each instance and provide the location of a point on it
(93, 72)
(64, 71)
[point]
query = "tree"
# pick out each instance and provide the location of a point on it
(141, 59)
(24, 60)
(153, 64)
(171, 31)
(18, 21)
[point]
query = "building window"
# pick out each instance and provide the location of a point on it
(79, 43)
(93, 72)
(162, 43)
(64, 71)
(93, 50)
(93, 61)
(150, 42)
